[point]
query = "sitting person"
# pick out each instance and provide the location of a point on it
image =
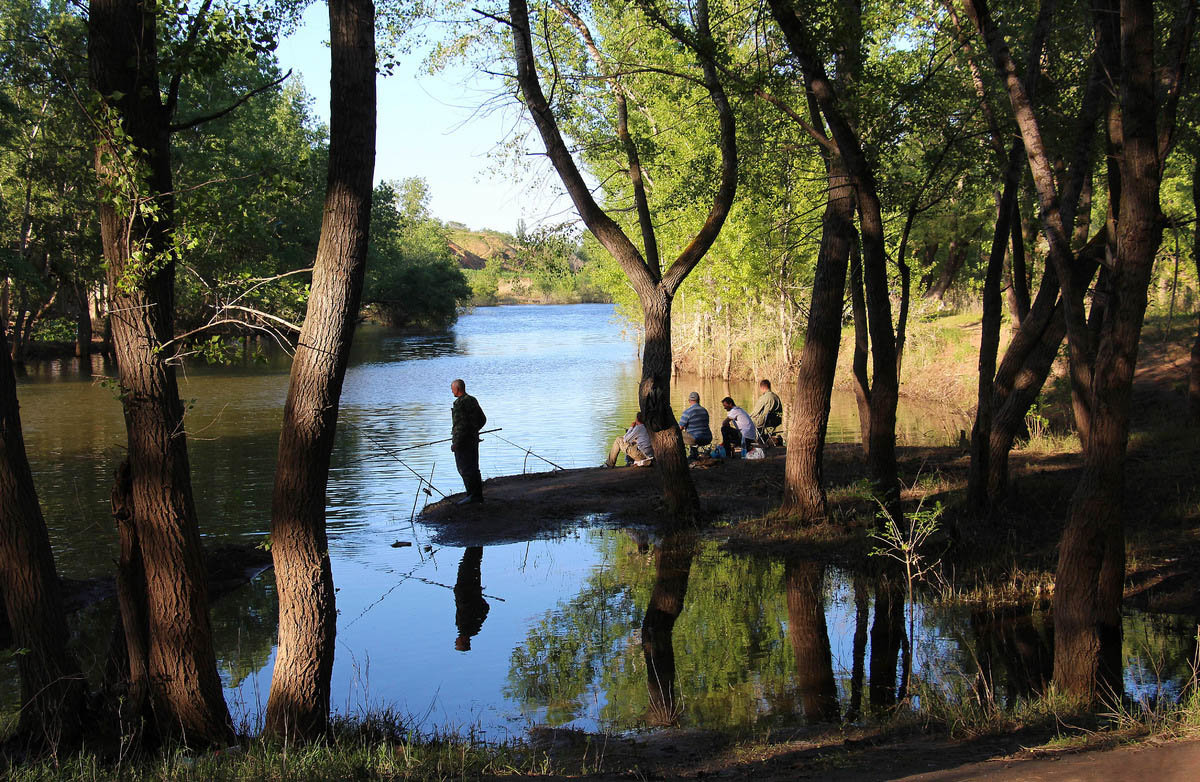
(693, 424)
(635, 444)
(737, 429)
(768, 412)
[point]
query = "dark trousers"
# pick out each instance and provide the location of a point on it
(466, 458)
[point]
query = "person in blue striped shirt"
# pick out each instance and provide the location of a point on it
(693, 424)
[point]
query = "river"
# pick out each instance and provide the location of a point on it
(541, 632)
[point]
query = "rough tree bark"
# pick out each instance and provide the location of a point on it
(809, 636)
(804, 487)
(298, 706)
(655, 288)
(1091, 565)
(52, 686)
(137, 238)
(672, 565)
(885, 389)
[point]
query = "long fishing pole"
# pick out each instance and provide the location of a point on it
(392, 454)
(531, 453)
(444, 440)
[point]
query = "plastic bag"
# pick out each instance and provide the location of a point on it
(756, 453)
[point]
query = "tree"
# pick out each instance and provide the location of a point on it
(412, 279)
(133, 164)
(655, 287)
(298, 705)
(52, 686)
(884, 390)
(1090, 579)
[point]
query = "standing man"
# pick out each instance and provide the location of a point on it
(767, 414)
(467, 419)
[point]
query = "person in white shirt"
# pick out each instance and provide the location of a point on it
(738, 428)
(635, 444)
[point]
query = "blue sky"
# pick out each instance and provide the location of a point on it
(431, 127)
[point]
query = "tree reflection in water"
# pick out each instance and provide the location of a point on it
(887, 637)
(804, 583)
(672, 565)
(470, 609)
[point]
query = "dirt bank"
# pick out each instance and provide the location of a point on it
(545, 504)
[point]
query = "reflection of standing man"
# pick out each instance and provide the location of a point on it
(468, 418)
(470, 609)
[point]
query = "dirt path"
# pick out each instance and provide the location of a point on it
(1177, 761)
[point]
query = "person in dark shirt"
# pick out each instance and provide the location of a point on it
(467, 419)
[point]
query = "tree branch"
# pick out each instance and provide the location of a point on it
(191, 123)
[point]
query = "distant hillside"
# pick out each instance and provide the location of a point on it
(473, 249)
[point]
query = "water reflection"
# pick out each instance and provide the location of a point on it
(672, 563)
(809, 636)
(470, 609)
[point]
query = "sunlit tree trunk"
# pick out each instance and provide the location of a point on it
(885, 389)
(804, 489)
(137, 238)
(299, 702)
(52, 686)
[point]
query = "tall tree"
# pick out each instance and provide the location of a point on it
(803, 488)
(885, 389)
(655, 287)
(1090, 579)
(299, 702)
(133, 163)
(52, 686)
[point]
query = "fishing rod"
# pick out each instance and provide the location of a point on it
(424, 481)
(529, 453)
(443, 440)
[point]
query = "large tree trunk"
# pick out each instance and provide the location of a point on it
(1091, 563)
(673, 564)
(185, 687)
(809, 636)
(804, 489)
(885, 390)
(654, 397)
(52, 687)
(299, 702)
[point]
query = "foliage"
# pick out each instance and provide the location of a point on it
(412, 277)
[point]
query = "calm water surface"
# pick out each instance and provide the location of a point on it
(503, 638)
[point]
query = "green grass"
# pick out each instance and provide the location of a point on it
(370, 749)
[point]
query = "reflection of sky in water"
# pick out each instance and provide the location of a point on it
(558, 380)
